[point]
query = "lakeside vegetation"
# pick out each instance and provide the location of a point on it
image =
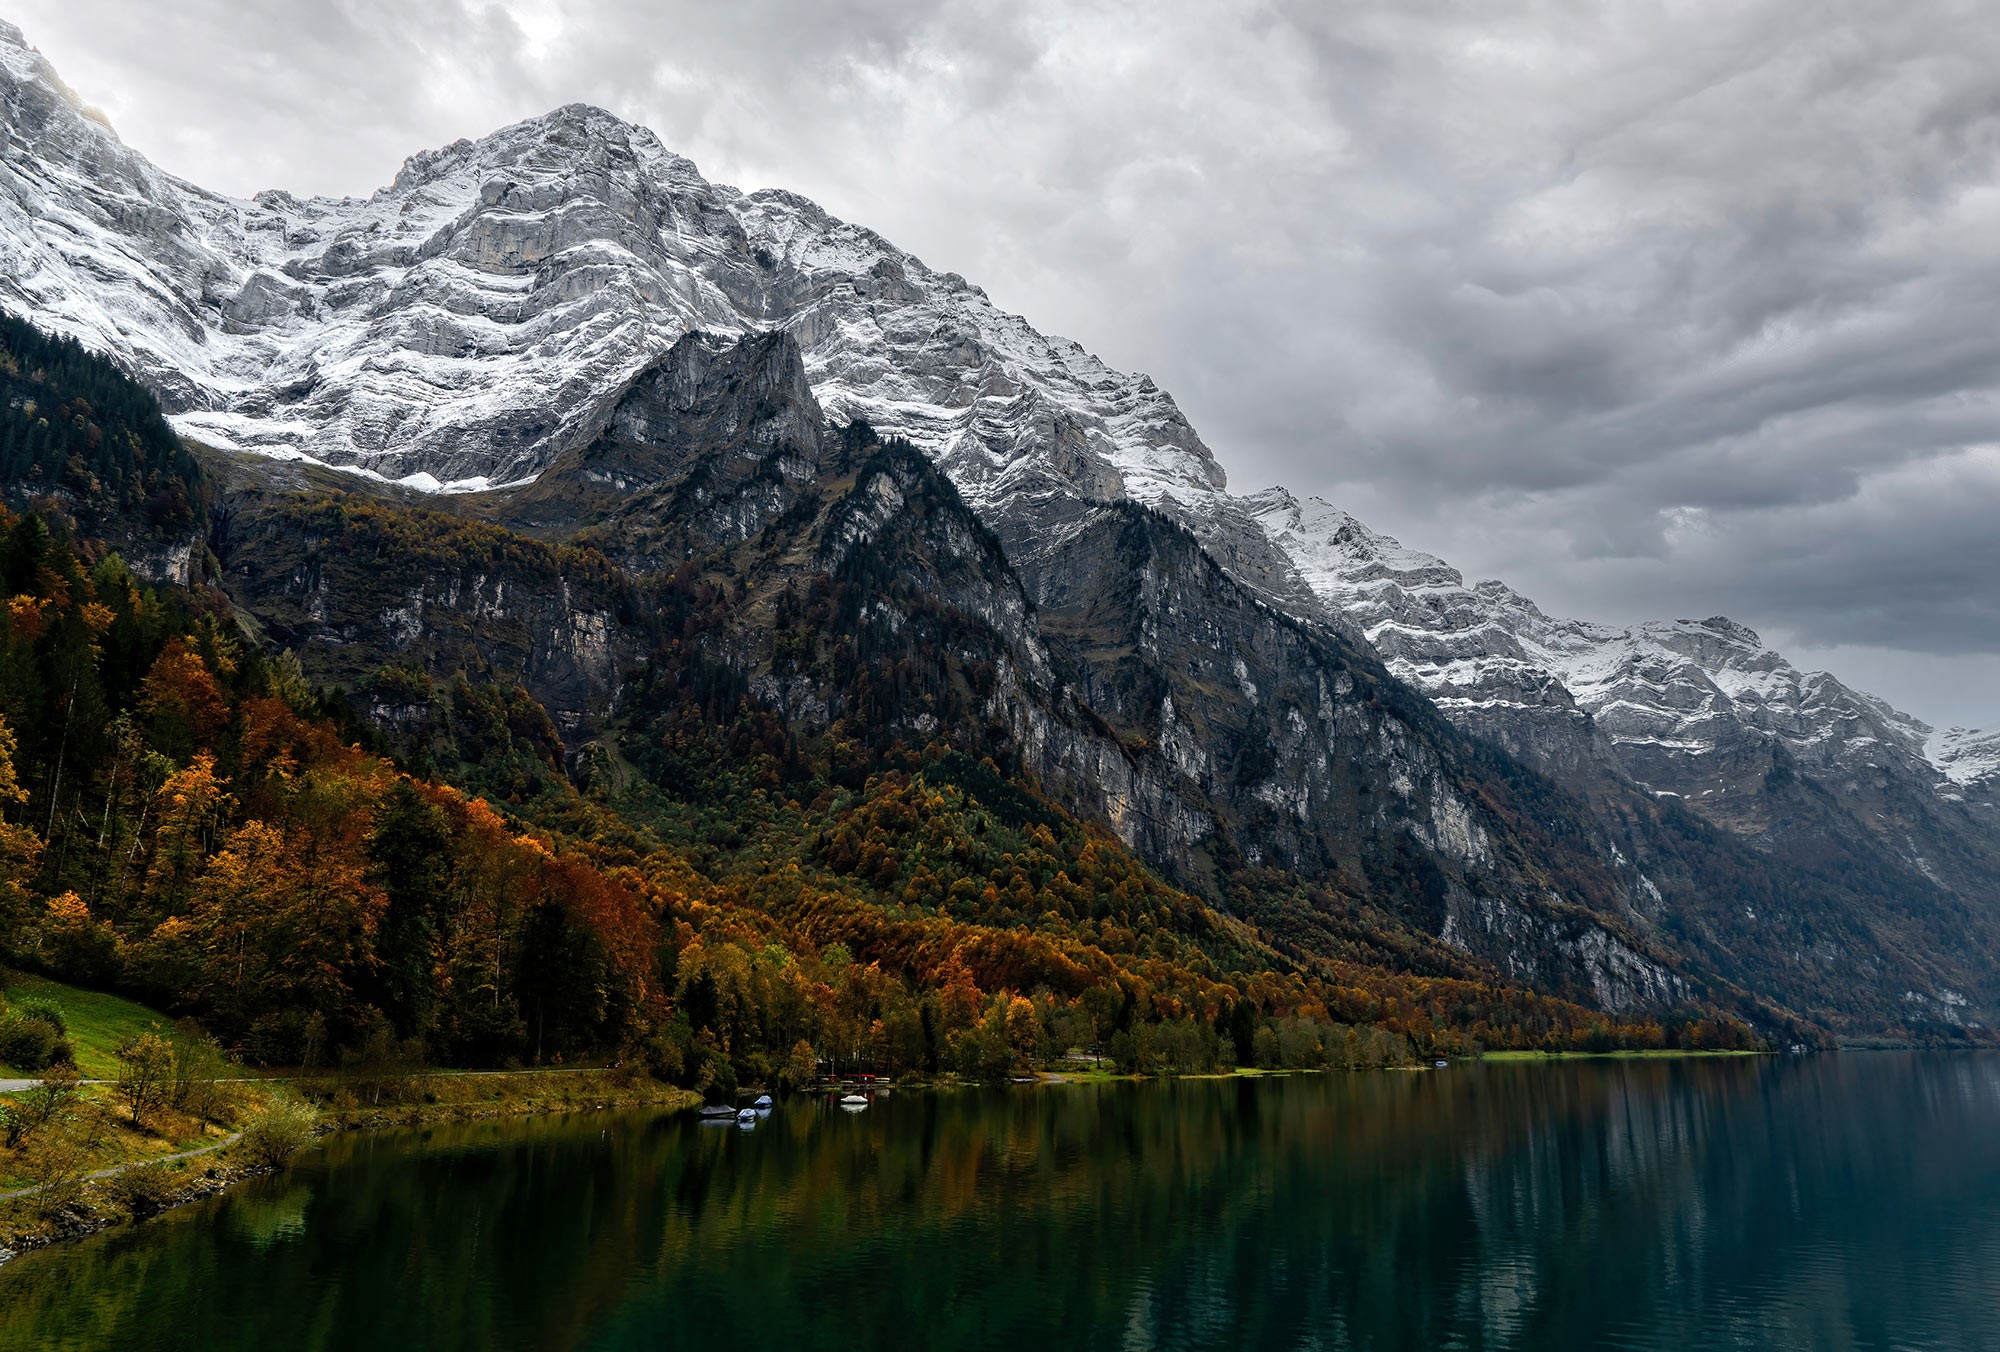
(1622, 1054)
(95, 1023)
(173, 1118)
(176, 1119)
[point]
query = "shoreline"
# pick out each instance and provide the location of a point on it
(1633, 1054)
(94, 1210)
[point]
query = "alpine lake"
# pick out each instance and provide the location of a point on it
(1836, 1202)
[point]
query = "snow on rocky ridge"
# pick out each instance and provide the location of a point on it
(1969, 759)
(1665, 693)
(461, 326)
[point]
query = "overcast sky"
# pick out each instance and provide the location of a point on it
(1665, 309)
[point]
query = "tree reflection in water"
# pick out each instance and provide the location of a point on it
(1770, 1203)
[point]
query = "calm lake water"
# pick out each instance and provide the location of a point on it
(1837, 1202)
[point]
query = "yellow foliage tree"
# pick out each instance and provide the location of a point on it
(20, 848)
(192, 804)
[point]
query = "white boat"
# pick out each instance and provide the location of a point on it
(853, 1102)
(763, 1101)
(746, 1114)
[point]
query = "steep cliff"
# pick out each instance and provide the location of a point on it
(722, 542)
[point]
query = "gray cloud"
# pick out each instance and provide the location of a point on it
(1647, 308)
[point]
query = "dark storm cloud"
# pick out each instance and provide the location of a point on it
(1647, 308)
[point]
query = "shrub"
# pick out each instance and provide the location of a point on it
(56, 1162)
(46, 1104)
(144, 1189)
(43, 1008)
(144, 1064)
(284, 1128)
(198, 1062)
(29, 1043)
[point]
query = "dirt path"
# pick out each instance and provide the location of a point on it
(113, 1172)
(22, 1086)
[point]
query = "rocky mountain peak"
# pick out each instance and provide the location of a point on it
(23, 62)
(462, 326)
(569, 143)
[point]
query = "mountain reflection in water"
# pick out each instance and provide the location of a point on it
(1818, 1203)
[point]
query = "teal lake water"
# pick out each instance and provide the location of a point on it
(1826, 1202)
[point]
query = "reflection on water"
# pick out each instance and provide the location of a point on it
(1846, 1202)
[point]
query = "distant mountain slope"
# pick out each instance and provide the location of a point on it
(1663, 694)
(1698, 710)
(1970, 762)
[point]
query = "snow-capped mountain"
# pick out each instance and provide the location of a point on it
(463, 326)
(1699, 709)
(1970, 761)
(460, 326)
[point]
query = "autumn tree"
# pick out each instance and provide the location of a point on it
(192, 804)
(145, 1063)
(801, 1068)
(185, 705)
(20, 847)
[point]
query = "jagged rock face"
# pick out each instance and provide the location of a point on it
(1157, 694)
(475, 317)
(700, 451)
(1970, 762)
(1301, 752)
(1701, 710)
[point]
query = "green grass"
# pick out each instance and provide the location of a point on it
(1661, 1054)
(98, 1023)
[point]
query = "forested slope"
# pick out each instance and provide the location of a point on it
(190, 820)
